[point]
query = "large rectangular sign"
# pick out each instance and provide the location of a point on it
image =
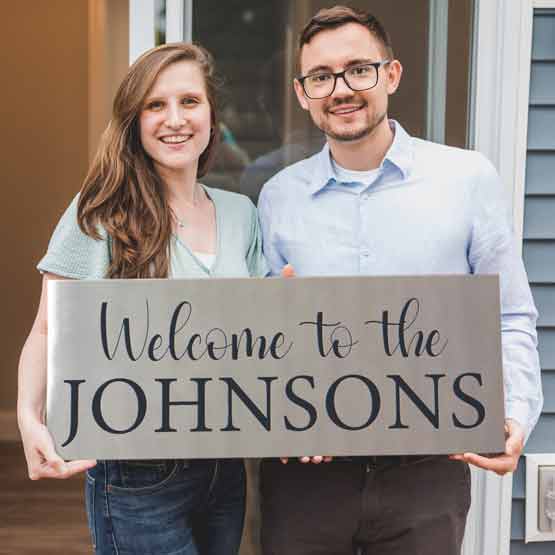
(274, 367)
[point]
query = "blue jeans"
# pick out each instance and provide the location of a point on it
(166, 507)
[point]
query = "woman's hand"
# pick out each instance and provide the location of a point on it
(42, 459)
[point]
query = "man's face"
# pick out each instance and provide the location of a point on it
(347, 115)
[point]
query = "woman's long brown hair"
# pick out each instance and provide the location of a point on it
(122, 192)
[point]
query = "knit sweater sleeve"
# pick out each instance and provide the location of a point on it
(73, 254)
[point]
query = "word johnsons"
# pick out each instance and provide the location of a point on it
(297, 392)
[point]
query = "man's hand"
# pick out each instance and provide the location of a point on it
(501, 464)
(289, 272)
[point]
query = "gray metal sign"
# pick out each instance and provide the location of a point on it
(274, 367)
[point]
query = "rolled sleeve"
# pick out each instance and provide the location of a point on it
(493, 251)
(73, 254)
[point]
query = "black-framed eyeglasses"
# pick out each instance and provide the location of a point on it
(358, 78)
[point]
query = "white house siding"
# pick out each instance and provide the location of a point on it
(539, 253)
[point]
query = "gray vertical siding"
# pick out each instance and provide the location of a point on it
(539, 253)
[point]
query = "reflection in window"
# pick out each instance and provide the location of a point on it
(159, 22)
(255, 48)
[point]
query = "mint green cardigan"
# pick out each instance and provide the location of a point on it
(73, 254)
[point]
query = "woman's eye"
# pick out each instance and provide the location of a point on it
(156, 105)
(190, 101)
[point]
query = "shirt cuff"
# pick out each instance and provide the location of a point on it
(520, 413)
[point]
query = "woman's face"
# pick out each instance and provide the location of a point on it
(175, 119)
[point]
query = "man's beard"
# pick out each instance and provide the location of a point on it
(351, 134)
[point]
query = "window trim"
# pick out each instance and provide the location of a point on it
(436, 94)
(179, 20)
(141, 27)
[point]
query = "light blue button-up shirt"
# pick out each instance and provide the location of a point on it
(432, 209)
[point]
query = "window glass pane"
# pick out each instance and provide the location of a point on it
(159, 22)
(255, 47)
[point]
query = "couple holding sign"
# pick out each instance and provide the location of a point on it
(374, 201)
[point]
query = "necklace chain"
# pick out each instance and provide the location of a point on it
(182, 223)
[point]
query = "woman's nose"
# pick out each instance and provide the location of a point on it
(175, 116)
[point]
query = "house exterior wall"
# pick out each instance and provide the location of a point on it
(64, 60)
(44, 155)
(539, 252)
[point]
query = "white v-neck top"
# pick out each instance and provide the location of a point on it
(206, 258)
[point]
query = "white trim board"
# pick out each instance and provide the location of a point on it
(533, 462)
(141, 27)
(499, 111)
(488, 524)
(523, 67)
(188, 20)
(436, 94)
(174, 20)
(179, 21)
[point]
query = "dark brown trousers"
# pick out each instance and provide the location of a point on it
(366, 506)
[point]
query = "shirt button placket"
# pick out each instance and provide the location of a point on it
(363, 249)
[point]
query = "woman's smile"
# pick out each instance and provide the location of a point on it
(175, 139)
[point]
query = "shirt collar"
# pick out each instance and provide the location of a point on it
(399, 155)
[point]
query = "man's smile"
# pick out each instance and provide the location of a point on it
(346, 109)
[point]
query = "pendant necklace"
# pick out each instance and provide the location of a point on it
(181, 223)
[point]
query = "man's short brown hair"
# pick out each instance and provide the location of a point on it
(331, 18)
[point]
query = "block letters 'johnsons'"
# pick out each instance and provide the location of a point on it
(229, 391)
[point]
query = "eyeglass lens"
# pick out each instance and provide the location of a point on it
(358, 78)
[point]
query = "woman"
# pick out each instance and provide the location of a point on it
(142, 213)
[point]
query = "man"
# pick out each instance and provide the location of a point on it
(376, 201)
